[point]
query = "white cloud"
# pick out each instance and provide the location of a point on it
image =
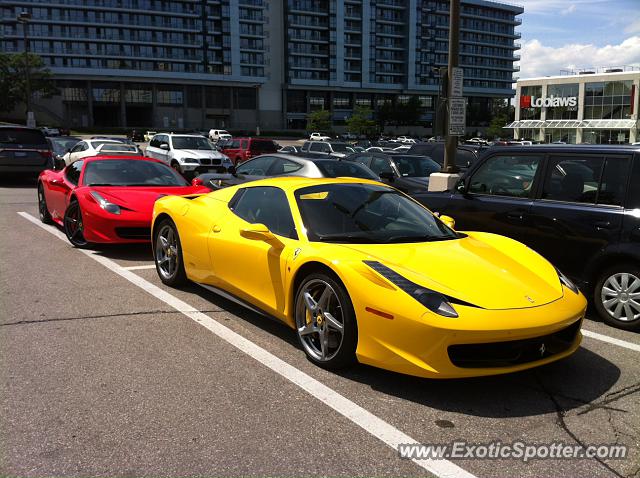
(540, 60)
(570, 9)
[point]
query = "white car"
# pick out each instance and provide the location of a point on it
(87, 148)
(319, 137)
(218, 134)
(406, 139)
(188, 153)
(49, 131)
(148, 135)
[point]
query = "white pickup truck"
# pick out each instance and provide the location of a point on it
(319, 137)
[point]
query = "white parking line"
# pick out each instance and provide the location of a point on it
(372, 424)
(611, 340)
(139, 268)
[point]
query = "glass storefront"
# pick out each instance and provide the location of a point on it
(605, 136)
(563, 91)
(530, 113)
(608, 100)
(564, 135)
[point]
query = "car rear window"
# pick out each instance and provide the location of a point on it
(22, 136)
(266, 146)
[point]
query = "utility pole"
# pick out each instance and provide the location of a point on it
(452, 108)
(24, 18)
(451, 142)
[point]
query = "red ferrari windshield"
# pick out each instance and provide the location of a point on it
(130, 172)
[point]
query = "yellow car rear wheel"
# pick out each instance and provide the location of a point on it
(325, 321)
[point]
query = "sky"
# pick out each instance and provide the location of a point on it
(573, 34)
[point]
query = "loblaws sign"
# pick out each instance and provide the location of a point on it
(551, 101)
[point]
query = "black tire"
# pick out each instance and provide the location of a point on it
(43, 210)
(168, 257)
(73, 225)
(175, 165)
(345, 353)
(629, 316)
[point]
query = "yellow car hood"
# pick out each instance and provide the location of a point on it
(486, 270)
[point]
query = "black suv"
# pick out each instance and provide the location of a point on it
(466, 154)
(407, 172)
(24, 150)
(577, 205)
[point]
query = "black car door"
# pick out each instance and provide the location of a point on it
(496, 197)
(579, 210)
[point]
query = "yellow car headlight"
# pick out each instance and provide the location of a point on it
(431, 299)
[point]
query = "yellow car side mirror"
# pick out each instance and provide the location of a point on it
(257, 232)
(449, 221)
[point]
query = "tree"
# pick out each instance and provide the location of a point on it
(496, 127)
(13, 82)
(319, 120)
(360, 121)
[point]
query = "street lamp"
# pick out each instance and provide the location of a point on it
(25, 18)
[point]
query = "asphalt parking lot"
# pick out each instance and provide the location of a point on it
(105, 371)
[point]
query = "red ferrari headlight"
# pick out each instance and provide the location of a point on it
(104, 204)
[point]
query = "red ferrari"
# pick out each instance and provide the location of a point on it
(108, 199)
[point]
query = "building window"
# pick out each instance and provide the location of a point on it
(218, 97)
(169, 97)
(245, 98)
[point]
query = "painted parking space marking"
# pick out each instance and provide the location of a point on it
(369, 422)
(611, 340)
(139, 268)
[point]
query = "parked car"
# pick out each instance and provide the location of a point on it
(60, 145)
(107, 199)
(118, 149)
(319, 137)
(136, 136)
(148, 135)
(242, 149)
(50, 131)
(218, 134)
(23, 150)
(120, 139)
(406, 172)
(405, 139)
(403, 149)
(289, 149)
(466, 154)
(86, 148)
(362, 273)
(575, 204)
(270, 165)
(335, 149)
(187, 153)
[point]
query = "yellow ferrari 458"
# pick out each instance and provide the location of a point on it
(364, 273)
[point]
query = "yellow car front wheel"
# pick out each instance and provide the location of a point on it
(325, 321)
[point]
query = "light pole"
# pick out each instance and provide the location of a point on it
(25, 18)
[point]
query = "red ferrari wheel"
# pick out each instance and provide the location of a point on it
(73, 225)
(43, 210)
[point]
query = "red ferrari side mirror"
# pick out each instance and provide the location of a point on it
(197, 182)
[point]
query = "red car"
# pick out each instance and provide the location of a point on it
(241, 149)
(108, 199)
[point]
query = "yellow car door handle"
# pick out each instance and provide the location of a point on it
(216, 229)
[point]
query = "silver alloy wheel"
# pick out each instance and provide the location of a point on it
(319, 320)
(167, 252)
(621, 296)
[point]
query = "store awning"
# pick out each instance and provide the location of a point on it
(570, 124)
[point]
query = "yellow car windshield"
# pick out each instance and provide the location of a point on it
(366, 213)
